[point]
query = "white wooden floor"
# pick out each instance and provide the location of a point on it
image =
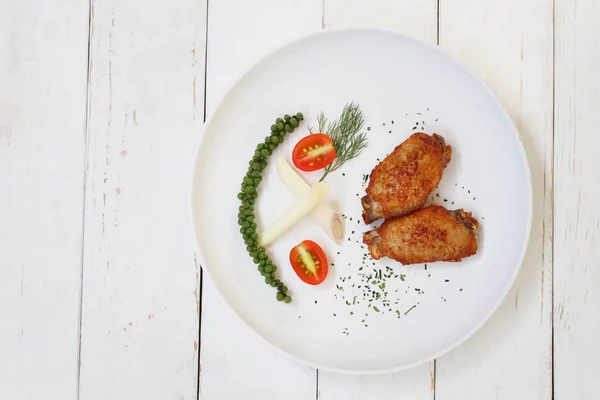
(102, 105)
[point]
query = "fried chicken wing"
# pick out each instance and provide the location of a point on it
(431, 234)
(401, 182)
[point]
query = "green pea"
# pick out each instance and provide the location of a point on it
(300, 116)
(268, 280)
(288, 128)
(275, 140)
(280, 296)
(256, 260)
(272, 147)
(260, 268)
(280, 126)
(257, 181)
(284, 289)
(249, 248)
(294, 122)
(287, 117)
(273, 128)
(241, 196)
(273, 283)
(279, 120)
(287, 299)
(264, 153)
(268, 140)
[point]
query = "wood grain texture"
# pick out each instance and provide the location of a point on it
(577, 218)
(43, 59)
(141, 281)
(418, 19)
(509, 44)
(235, 362)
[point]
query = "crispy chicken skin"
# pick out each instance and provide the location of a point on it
(431, 234)
(401, 182)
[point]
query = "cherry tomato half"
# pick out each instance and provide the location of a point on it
(309, 262)
(313, 152)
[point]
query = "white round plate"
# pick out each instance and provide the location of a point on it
(402, 86)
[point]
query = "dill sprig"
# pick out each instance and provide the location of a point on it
(346, 135)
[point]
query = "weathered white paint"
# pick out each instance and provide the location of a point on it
(43, 58)
(509, 45)
(146, 101)
(416, 18)
(235, 362)
(577, 218)
(140, 280)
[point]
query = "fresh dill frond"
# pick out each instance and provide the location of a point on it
(346, 134)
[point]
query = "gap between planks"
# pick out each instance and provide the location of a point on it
(199, 267)
(552, 193)
(86, 132)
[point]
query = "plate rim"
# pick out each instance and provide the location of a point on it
(522, 155)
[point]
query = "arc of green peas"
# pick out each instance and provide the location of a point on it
(248, 194)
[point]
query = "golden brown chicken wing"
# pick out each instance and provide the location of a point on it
(401, 182)
(431, 234)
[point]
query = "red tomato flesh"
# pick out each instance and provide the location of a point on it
(313, 152)
(309, 262)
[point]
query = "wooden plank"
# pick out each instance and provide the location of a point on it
(416, 18)
(141, 281)
(43, 63)
(577, 218)
(236, 363)
(509, 45)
